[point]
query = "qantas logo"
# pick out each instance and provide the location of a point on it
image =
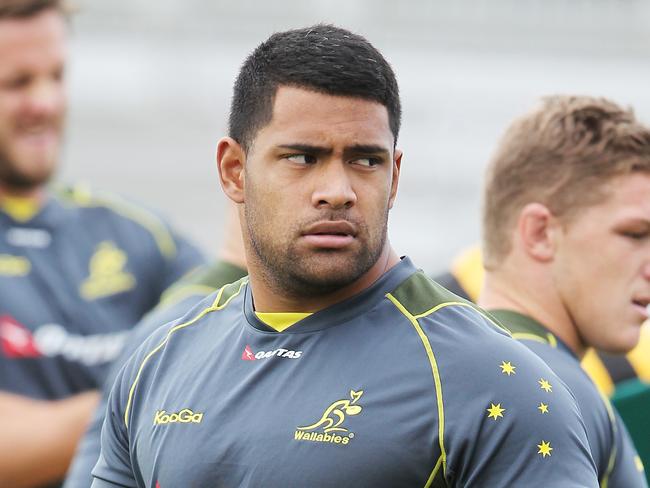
(249, 355)
(52, 340)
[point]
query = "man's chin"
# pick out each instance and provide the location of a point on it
(25, 181)
(327, 275)
(623, 342)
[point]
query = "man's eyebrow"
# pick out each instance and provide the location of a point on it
(307, 149)
(368, 149)
(355, 149)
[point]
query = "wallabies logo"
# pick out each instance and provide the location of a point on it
(331, 422)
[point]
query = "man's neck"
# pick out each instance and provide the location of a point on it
(533, 297)
(269, 299)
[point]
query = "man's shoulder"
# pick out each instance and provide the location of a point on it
(465, 344)
(419, 294)
(91, 205)
(436, 309)
(193, 315)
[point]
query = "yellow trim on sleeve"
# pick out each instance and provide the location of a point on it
(212, 308)
(436, 379)
(463, 304)
(280, 321)
(549, 339)
(436, 468)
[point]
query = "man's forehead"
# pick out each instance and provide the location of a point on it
(309, 116)
(15, 32)
(623, 197)
(33, 43)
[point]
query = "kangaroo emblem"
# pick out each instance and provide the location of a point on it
(335, 414)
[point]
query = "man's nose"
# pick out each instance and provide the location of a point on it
(46, 98)
(333, 187)
(646, 269)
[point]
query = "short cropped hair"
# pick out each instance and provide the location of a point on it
(322, 58)
(21, 9)
(561, 154)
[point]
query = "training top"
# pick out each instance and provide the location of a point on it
(465, 278)
(176, 301)
(74, 277)
(402, 385)
(616, 458)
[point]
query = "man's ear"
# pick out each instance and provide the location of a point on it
(536, 228)
(397, 165)
(230, 164)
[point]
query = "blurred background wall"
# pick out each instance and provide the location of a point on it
(150, 83)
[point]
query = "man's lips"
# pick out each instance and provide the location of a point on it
(331, 234)
(641, 304)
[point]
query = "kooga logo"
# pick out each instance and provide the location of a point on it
(185, 416)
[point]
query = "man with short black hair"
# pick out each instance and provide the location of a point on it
(77, 268)
(336, 363)
(566, 241)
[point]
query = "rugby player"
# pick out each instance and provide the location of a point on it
(566, 248)
(176, 301)
(465, 279)
(77, 268)
(336, 363)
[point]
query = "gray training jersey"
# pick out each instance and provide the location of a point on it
(402, 385)
(74, 278)
(176, 301)
(616, 458)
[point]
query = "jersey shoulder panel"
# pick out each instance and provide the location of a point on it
(419, 296)
(83, 197)
(202, 281)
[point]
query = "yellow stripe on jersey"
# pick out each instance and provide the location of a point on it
(436, 380)
(212, 308)
(280, 321)
(20, 209)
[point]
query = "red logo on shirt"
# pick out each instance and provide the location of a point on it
(248, 354)
(17, 340)
(157, 484)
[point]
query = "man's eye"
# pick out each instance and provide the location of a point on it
(16, 83)
(369, 162)
(301, 158)
(636, 235)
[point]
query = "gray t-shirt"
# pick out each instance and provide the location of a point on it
(403, 385)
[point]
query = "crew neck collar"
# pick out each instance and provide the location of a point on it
(343, 311)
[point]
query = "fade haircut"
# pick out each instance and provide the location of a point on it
(562, 154)
(22, 9)
(322, 58)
